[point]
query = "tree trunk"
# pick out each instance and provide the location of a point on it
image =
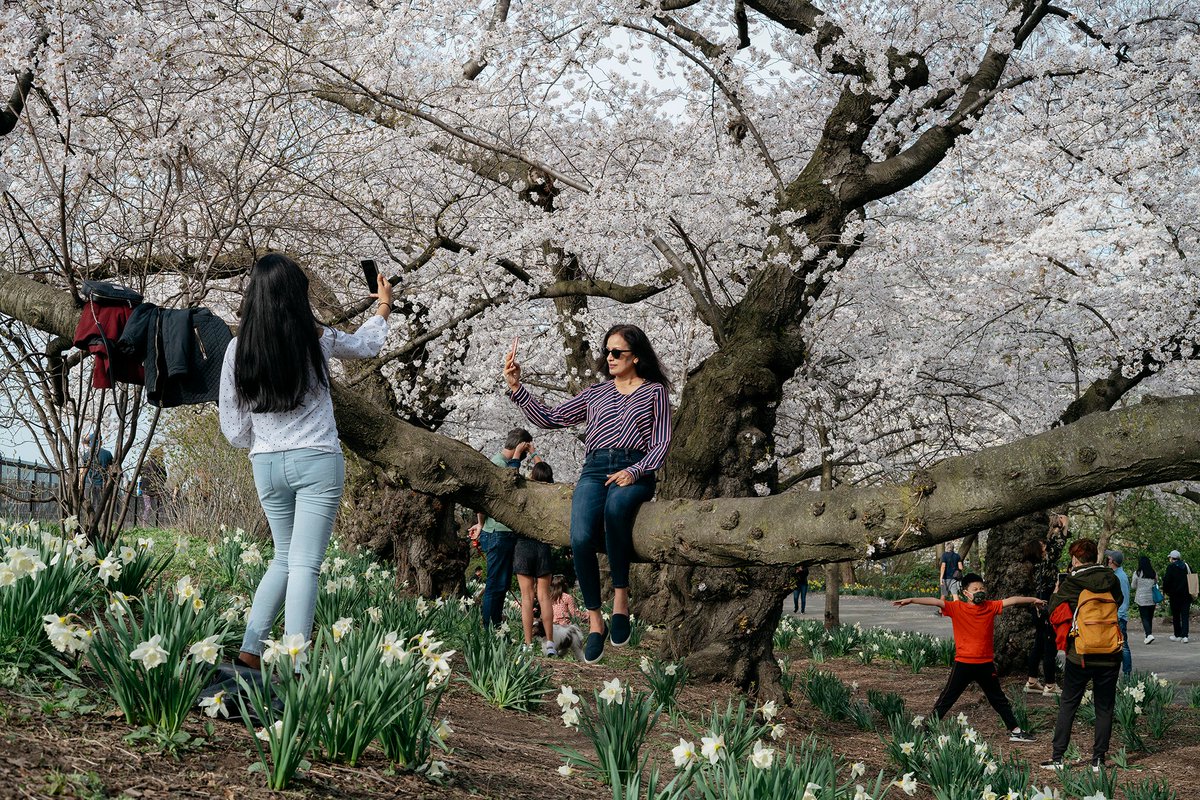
(833, 605)
(1008, 575)
(417, 532)
(1108, 526)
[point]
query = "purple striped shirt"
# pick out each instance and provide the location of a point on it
(640, 420)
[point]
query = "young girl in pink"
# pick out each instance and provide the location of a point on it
(565, 612)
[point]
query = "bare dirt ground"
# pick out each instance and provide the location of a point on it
(49, 751)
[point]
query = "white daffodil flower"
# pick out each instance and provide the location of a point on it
(207, 649)
(215, 705)
(613, 692)
(150, 653)
(764, 757)
(860, 793)
(769, 710)
(566, 771)
(566, 697)
(1045, 793)
(712, 748)
(907, 748)
(437, 769)
(684, 753)
(907, 784)
(109, 568)
(671, 669)
(777, 731)
(295, 647)
(570, 717)
(375, 614)
(342, 627)
(185, 589)
(857, 770)
(265, 733)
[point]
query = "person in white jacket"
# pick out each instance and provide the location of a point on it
(1142, 585)
(274, 400)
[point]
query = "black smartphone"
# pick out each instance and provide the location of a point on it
(370, 274)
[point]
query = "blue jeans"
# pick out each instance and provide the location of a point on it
(800, 597)
(602, 520)
(1126, 656)
(497, 547)
(300, 491)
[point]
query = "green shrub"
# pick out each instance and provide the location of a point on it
(502, 673)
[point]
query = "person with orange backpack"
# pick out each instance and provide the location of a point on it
(1083, 611)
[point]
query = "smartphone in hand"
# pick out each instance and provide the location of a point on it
(370, 273)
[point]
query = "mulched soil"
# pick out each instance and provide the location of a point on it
(45, 752)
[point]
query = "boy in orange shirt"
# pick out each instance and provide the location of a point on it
(974, 623)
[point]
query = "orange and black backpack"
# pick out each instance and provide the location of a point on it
(1094, 627)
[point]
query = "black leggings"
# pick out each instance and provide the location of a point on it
(1147, 613)
(1043, 650)
(963, 675)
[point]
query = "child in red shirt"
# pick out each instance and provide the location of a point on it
(974, 648)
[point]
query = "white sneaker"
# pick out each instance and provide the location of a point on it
(548, 649)
(1173, 638)
(1185, 640)
(1149, 639)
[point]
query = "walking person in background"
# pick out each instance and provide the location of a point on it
(1144, 585)
(800, 594)
(531, 562)
(1175, 587)
(626, 440)
(1039, 579)
(950, 573)
(1115, 559)
(274, 400)
(1093, 649)
(97, 470)
(496, 539)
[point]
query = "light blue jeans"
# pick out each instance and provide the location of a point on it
(300, 491)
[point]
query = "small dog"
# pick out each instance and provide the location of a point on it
(569, 637)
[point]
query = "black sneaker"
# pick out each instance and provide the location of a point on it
(1020, 736)
(594, 648)
(1097, 763)
(620, 630)
(1055, 764)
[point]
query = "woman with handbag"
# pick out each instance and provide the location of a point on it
(1146, 594)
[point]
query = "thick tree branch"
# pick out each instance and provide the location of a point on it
(1154, 442)
(913, 163)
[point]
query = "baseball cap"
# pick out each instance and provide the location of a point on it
(1117, 556)
(1174, 554)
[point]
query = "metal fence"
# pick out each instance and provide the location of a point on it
(28, 490)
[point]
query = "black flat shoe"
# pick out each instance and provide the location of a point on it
(594, 649)
(620, 630)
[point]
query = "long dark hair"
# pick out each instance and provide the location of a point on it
(1032, 551)
(278, 358)
(1144, 569)
(647, 366)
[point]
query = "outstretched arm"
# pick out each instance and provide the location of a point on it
(1024, 601)
(921, 601)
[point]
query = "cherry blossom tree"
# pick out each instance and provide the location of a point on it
(874, 236)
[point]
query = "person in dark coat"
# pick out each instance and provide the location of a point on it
(1100, 669)
(1175, 587)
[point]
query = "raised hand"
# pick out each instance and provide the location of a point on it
(512, 370)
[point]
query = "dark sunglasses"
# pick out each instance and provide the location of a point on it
(615, 353)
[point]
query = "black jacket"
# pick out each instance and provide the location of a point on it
(1094, 578)
(181, 350)
(1174, 582)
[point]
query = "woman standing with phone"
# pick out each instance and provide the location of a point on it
(628, 433)
(275, 401)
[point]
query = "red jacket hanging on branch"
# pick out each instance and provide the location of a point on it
(104, 315)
